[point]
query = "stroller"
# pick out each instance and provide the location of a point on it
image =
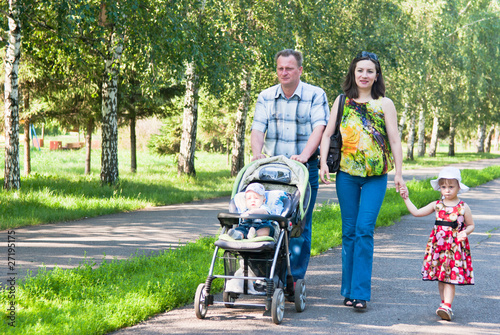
(261, 266)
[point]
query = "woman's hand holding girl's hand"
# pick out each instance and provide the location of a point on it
(400, 185)
(461, 236)
(403, 192)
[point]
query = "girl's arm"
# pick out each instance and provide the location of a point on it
(424, 211)
(469, 222)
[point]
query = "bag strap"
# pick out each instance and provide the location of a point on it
(340, 113)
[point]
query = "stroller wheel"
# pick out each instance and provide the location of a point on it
(226, 297)
(300, 295)
(200, 303)
(278, 306)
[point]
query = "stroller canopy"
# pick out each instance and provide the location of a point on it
(277, 170)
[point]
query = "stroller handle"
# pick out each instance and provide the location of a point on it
(230, 219)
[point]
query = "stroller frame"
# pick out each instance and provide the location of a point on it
(279, 283)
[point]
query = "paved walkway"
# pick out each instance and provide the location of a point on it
(401, 302)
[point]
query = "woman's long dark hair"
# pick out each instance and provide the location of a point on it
(349, 86)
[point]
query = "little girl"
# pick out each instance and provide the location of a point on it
(447, 255)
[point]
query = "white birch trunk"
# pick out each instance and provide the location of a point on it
(109, 157)
(402, 121)
(481, 136)
(411, 138)
(434, 136)
(238, 154)
(12, 173)
(421, 133)
(190, 123)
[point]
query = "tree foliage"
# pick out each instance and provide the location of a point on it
(438, 57)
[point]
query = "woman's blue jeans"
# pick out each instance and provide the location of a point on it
(360, 199)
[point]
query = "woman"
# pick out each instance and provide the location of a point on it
(371, 148)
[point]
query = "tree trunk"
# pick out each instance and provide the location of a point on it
(402, 121)
(189, 124)
(238, 155)
(481, 136)
(497, 139)
(434, 136)
(12, 173)
(411, 138)
(489, 138)
(451, 145)
(88, 145)
(109, 157)
(421, 133)
(27, 148)
(27, 131)
(133, 146)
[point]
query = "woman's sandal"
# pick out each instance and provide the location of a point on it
(359, 304)
(348, 302)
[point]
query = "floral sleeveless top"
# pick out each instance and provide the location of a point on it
(366, 150)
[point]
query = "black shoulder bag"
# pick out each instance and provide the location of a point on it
(334, 152)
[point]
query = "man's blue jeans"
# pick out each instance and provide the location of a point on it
(300, 247)
(360, 199)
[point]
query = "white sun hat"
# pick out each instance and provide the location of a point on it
(449, 173)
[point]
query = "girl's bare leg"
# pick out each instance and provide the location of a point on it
(448, 293)
(441, 290)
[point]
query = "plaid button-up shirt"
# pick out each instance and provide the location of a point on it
(288, 123)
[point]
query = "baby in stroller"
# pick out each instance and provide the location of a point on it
(255, 197)
(260, 266)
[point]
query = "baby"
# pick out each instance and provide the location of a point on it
(255, 198)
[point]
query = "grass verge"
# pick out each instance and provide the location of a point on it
(58, 191)
(116, 294)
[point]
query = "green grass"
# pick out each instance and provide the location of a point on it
(89, 300)
(57, 189)
(442, 159)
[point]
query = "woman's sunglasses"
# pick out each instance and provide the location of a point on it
(365, 54)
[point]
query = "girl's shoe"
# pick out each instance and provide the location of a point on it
(444, 312)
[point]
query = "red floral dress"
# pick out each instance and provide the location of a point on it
(447, 260)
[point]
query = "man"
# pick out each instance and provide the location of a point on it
(289, 120)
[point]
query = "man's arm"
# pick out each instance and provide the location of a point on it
(257, 143)
(319, 119)
(311, 146)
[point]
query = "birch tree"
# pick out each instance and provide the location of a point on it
(189, 122)
(12, 176)
(421, 132)
(238, 152)
(434, 135)
(109, 157)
